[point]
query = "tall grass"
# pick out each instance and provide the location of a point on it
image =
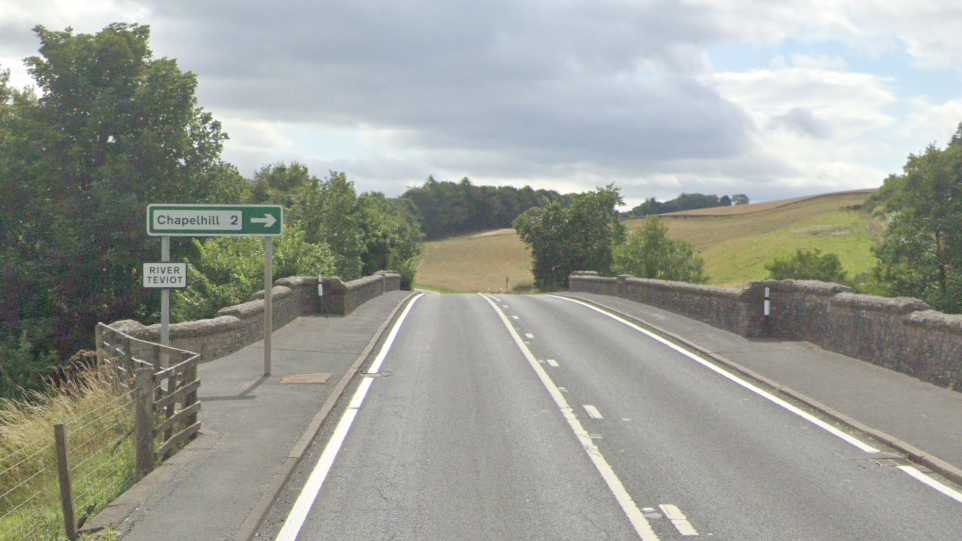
(96, 408)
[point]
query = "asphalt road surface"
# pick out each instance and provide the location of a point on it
(539, 418)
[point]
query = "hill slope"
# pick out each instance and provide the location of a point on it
(736, 243)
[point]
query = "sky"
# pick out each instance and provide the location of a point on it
(769, 98)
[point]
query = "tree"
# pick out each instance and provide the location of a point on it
(341, 225)
(113, 130)
(921, 250)
(650, 253)
(565, 239)
(392, 236)
(447, 208)
(807, 265)
(725, 201)
(740, 199)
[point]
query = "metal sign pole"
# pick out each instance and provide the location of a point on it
(268, 301)
(164, 304)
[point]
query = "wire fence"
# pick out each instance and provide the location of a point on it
(99, 448)
(101, 456)
(111, 430)
(28, 478)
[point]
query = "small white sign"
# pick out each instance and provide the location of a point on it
(165, 275)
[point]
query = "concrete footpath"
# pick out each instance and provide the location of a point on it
(920, 420)
(254, 429)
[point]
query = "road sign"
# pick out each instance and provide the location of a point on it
(215, 220)
(165, 275)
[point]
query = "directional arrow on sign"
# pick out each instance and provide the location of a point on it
(267, 220)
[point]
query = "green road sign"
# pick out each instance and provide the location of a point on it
(215, 220)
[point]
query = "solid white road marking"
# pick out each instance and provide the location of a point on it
(772, 398)
(593, 412)
(678, 519)
(552, 362)
(305, 500)
(635, 516)
(911, 470)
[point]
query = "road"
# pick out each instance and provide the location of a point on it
(536, 417)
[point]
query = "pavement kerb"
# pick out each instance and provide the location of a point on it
(913, 453)
(249, 528)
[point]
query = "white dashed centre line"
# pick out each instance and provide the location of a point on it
(515, 317)
(552, 362)
(678, 519)
(593, 412)
(528, 335)
(638, 521)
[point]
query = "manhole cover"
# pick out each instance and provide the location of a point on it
(306, 379)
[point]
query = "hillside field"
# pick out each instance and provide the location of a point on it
(735, 242)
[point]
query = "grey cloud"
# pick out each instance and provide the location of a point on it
(603, 82)
(802, 121)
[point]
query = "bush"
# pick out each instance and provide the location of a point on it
(525, 287)
(808, 265)
(227, 271)
(649, 253)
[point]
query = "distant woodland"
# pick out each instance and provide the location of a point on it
(449, 208)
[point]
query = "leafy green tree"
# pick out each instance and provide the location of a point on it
(921, 250)
(113, 130)
(808, 265)
(22, 370)
(341, 225)
(650, 253)
(740, 199)
(566, 239)
(392, 236)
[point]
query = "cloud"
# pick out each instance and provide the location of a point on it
(572, 94)
(930, 122)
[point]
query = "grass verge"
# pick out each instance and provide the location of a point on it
(96, 408)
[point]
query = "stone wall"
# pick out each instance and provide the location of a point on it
(342, 298)
(235, 327)
(902, 334)
(738, 311)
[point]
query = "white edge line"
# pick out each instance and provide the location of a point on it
(922, 478)
(910, 470)
(305, 500)
(638, 521)
(774, 399)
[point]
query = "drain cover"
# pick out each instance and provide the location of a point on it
(306, 379)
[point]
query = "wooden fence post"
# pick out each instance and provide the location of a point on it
(101, 353)
(144, 432)
(66, 488)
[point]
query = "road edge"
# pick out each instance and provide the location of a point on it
(253, 522)
(913, 453)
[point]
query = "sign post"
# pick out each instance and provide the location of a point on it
(189, 220)
(165, 305)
